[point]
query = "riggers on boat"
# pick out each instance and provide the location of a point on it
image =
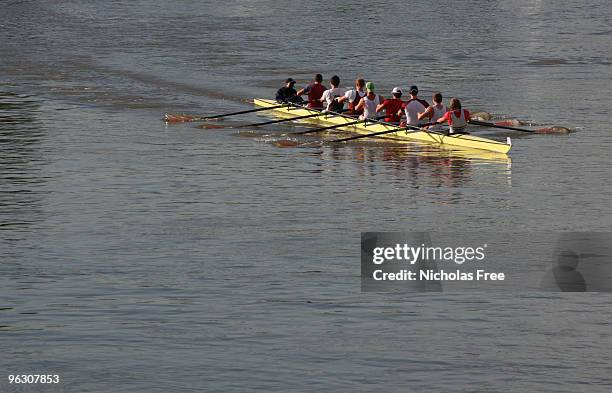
(454, 142)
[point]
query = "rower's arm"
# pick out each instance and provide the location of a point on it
(380, 107)
(341, 99)
(360, 105)
(426, 113)
(443, 119)
(301, 91)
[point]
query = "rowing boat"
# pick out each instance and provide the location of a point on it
(453, 142)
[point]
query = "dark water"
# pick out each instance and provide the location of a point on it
(139, 257)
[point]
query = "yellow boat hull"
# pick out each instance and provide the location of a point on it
(454, 142)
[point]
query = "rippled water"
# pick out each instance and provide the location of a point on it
(143, 257)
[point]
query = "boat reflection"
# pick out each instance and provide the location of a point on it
(443, 172)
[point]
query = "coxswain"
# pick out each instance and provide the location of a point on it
(369, 103)
(315, 91)
(392, 106)
(434, 112)
(353, 97)
(329, 96)
(287, 93)
(456, 117)
(413, 106)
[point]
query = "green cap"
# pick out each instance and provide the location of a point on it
(370, 86)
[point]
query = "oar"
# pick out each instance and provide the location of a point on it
(209, 126)
(337, 126)
(171, 118)
(493, 125)
(412, 128)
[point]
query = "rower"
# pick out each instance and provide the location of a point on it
(329, 95)
(413, 106)
(353, 97)
(369, 102)
(287, 93)
(434, 112)
(392, 106)
(456, 117)
(315, 91)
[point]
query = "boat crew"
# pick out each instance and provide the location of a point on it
(315, 91)
(369, 102)
(413, 106)
(456, 117)
(353, 97)
(434, 112)
(287, 93)
(329, 96)
(392, 106)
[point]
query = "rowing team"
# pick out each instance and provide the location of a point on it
(366, 104)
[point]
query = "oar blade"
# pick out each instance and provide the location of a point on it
(286, 143)
(553, 130)
(174, 118)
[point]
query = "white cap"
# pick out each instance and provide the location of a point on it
(396, 90)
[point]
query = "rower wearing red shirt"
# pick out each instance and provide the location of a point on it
(392, 106)
(315, 91)
(456, 117)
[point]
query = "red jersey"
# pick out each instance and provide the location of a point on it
(315, 92)
(353, 104)
(457, 120)
(392, 106)
(447, 116)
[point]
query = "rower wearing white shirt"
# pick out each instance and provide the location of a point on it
(413, 106)
(369, 103)
(434, 112)
(329, 95)
(353, 97)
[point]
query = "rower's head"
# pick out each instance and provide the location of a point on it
(437, 98)
(455, 104)
(335, 81)
(319, 78)
(359, 84)
(289, 82)
(414, 91)
(370, 90)
(396, 92)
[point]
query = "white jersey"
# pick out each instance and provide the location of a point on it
(351, 95)
(329, 94)
(457, 124)
(369, 108)
(413, 107)
(438, 111)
